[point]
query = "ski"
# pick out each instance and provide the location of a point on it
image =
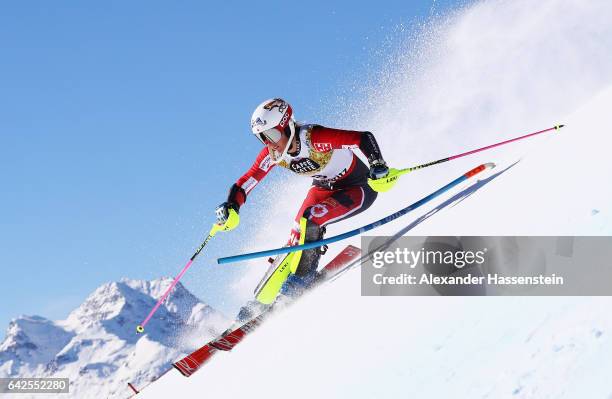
(194, 361)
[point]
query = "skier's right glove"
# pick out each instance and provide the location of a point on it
(378, 170)
(382, 178)
(227, 216)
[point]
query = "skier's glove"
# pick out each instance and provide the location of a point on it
(227, 216)
(378, 170)
(382, 178)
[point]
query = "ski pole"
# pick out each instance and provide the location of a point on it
(386, 183)
(406, 170)
(215, 228)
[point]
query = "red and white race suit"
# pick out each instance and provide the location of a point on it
(339, 189)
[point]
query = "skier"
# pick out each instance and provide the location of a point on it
(340, 186)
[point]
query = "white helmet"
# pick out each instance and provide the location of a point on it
(271, 119)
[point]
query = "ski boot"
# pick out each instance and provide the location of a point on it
(295, 285)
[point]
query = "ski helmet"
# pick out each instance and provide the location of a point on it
(271, 119)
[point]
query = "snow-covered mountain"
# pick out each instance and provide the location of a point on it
(97, 347)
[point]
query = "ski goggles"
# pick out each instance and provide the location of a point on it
(273, 135)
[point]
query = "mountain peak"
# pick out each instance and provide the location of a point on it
(32, 339)
(99, 335)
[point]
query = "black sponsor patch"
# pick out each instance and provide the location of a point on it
(304, 165)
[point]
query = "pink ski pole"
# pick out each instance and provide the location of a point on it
(213, 231)
(402, 171)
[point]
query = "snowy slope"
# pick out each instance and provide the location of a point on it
(486, 73)
(339, 344)
(97, 347)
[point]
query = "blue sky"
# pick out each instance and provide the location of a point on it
(122, 126)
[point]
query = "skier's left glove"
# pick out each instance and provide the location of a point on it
(227, 216)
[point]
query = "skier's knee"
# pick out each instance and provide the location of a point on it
(317, 214)
(314, 229)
